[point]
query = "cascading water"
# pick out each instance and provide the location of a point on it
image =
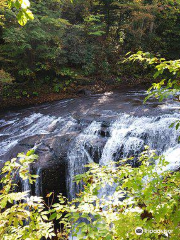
(18, 129)
(102, 128)
(78, 157)
(129, 135)
(38, 183)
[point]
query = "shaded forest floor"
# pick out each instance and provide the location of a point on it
(17, 95)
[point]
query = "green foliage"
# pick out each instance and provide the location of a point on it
(21, 216)
(85, 35)
(169, 71)
(58, 87)
(23, 12)
(35, 94)
(145, 196)
(38, 44)
(5, 77)
(94, 25)
(67, 72)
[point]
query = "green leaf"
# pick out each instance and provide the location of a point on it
(3, 202)
(30, 152)
(53, 216)
(29, 15)
(22, 18)
(172, 125)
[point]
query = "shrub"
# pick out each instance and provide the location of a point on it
(146, 197)
(21, 217)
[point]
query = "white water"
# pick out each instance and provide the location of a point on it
(22, 128)
(38, 183)
(128, 136)
(78, 157)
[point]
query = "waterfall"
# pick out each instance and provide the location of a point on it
(19, 129)
(118, 131)
(101, 128)
(38, 183)
(129, 135)
(78, 157)
(26, 187)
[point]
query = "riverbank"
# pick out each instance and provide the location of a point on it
(18, 95)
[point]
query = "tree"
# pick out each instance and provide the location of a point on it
(37, 46)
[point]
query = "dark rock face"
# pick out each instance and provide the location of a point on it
(104, 132)
(95, 148)
(54, 180)
(52, 163)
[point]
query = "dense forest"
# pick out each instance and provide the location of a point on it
(102, 162)
(75, 43)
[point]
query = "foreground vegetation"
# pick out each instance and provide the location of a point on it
(142, 197)
(21, 216)
(145, 196)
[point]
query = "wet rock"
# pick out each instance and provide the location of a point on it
(95, 148)
(157, 119)
(84, 92)
(52, 161)
(105, 124)
(144, 136)
(31, 141)
(104, 132)
(54, 180)
(13, 152)
(54, 125)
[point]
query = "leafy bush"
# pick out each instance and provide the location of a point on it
(167, 72)
(146, 197)
(21, 216)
